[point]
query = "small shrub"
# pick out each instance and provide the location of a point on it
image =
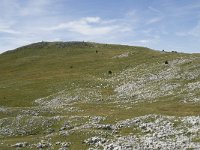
(109, 72)
(166, 62)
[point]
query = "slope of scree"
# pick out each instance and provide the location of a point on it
(81, 95)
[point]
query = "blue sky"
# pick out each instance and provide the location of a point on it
(158, 24)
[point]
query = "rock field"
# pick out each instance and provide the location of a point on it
(61, 114)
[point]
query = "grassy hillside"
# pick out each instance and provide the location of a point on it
(49, 85)
(42, 69)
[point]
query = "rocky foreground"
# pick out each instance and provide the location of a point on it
(145, 132)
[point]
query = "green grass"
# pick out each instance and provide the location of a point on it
(36, 71)
(113, 113)
(130, 130)
(30, 73)
(197, 139)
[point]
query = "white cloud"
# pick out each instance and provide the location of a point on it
(195, 31)
(144, 41)
(36, 7)
(7, 44)
(5, 27)
(90, 26)
(154, 9)
(131, 13)
(9, 31)
(154, 20)
(91, 19)
(16, 8)
(182, 33)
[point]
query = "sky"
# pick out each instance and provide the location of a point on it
(157, 24)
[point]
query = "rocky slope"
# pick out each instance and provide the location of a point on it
(78, 95)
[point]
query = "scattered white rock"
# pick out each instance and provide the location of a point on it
(97, 141)
(22, 144)
(121, 56)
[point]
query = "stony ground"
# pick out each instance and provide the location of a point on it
(145, 106)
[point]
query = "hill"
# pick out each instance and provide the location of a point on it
(78, 95)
